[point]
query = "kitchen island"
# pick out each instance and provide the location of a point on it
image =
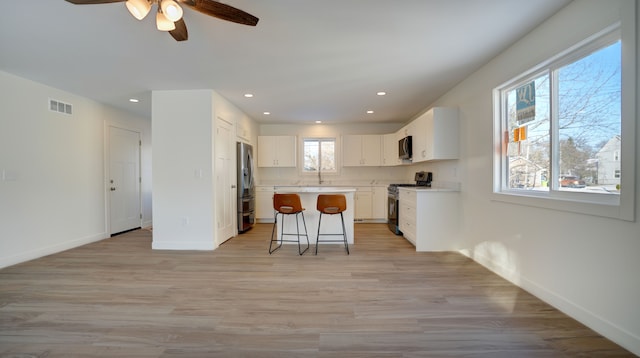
(429, 218)
(330, 223)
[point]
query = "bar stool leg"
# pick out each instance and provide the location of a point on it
(344, 234)
(273, 230)
(318, 236)
(306, 233)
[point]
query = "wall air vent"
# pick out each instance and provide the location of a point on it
(60, 107)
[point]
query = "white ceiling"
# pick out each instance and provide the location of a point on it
(306, 60)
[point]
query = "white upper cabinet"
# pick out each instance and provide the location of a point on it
(390, 150)
(243, 129)
(277, 151)
(435, 135)
(361, 150)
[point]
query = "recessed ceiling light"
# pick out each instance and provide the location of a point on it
(381, 93)
(369, 112)
(134, 100)
(266, 113)
(318, 122)
(248, 95)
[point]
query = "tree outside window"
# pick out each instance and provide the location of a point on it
(319, 155)
(574, 115)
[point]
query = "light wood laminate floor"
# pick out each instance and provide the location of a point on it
(119, 298)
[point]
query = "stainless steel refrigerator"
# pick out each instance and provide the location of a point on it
(246, 188)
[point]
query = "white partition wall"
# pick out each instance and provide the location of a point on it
(183, 197)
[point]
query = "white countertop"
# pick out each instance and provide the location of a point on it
(313, 189)
(427, 189)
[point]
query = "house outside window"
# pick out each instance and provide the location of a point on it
(558, 128)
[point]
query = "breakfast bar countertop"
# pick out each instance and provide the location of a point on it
(312, 189)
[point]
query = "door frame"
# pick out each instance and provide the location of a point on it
(107, 170)
(232, 177)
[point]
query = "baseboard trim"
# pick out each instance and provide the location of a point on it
(49, 250)
(183, 245)
(599, 324)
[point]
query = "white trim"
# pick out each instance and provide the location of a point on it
(183, 245)
(572, 309)
(108, 124)
(612, 206)
(52, 249)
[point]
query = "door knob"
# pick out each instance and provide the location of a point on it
(113, 189)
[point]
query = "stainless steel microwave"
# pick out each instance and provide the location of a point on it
(404, 148)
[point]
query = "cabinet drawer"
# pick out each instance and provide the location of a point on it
(407, 211)
(407, 197)
(408, 224)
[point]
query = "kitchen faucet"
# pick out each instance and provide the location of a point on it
(319, 176)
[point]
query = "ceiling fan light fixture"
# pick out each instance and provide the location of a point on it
(138, 8)
(163, 23)
(171, 10)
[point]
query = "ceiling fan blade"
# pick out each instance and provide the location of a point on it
(180, 33)
(93, 2)
(222, 11)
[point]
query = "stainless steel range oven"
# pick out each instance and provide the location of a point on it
(422, 179)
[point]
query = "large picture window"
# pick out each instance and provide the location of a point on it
(559, 127)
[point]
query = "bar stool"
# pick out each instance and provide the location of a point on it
(332, 204)
(288, 204)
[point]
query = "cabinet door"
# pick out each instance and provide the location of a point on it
(266, 151)
(379, 202)
(351, 151)
(264, 203)
(276, 151)
(435, 135)
(421, 138)
(371, 150)
(363, 199)
(243, 129)
(390, 150)
(286, 152)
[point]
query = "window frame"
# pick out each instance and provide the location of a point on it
(335, 159)
(612, 206)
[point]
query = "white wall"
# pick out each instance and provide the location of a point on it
(585, 265)
(52, 184)
(183, 202)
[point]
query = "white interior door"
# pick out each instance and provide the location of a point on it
(124, 182)
(225, 181)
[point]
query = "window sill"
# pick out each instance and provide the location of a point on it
(609, 206)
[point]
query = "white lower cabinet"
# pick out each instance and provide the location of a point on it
(428, 218)
(363, 203)
(264, 203)
(379, 203)
(371, 203)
